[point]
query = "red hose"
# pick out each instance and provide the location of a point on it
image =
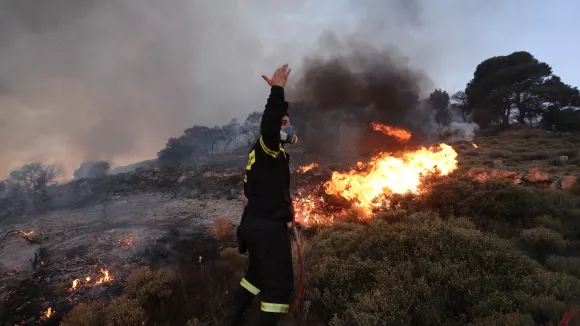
(568, 316)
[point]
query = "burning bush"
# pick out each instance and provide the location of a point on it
(425, 271)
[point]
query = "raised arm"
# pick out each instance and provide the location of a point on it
(276, 108)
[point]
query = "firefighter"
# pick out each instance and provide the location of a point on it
(263, 231)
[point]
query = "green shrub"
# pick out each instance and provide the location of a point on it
(125, 312)
(541, 241)
(568, 265)
(147, 286)
(507, 319)
(535, 156)
(427, 272)
(86, 314)
(500, 154)
(549, 222)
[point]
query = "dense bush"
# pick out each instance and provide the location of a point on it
(491, 204)
(427, 272)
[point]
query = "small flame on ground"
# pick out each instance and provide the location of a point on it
(75, 283)
(88, 279)
(402, 135)
(474, 145)
(306, 168)
(106, 277)
(26, 234)
(48, 312)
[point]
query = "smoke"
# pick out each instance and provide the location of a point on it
(112, 80)
(348, 85)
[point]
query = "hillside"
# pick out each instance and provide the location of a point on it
(495, 242)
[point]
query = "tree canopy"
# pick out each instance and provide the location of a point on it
(517, 87)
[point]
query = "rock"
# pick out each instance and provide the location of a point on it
(182, 178)
(568, 182)
(563, 159)
(498, 164)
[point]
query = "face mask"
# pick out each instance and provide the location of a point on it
(287, 135)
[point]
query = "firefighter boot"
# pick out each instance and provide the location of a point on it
(242, 300)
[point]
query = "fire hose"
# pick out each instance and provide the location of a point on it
(298, 249)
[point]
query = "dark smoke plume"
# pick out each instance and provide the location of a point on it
(338, 96)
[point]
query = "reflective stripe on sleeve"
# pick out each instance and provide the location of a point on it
(248, 286)
(268, 151)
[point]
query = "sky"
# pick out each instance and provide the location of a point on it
(114, 79)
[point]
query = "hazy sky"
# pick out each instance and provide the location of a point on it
(113, 79)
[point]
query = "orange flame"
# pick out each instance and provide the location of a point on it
(306, 168)
(383, 174)
(88, 279)
(402, 135)
(48, 312)
(474, 145)
(395, 175)
(26, 234)
(105, 278)
(75, 283)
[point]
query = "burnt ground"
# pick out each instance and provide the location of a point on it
(119, 235)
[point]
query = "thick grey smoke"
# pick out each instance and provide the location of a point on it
(114, 79)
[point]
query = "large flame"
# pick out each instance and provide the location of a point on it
(384, 174)
(392, 175)
(401, 134)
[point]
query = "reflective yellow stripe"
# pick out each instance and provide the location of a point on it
(275, 307)
(251, 160)
(245, 178)
(268, 151)
(248, 286)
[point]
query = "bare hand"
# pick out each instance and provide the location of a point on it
(280, 76)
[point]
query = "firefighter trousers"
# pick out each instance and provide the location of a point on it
(270, 272)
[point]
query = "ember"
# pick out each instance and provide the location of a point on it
(48, 312)
(128, 243)
(306, 168)
(474, 145)
(401, 134)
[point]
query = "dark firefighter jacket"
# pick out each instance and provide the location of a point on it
(267, 180)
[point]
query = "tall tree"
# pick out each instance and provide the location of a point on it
(231, 131)
(439, 102)
(460, 104)
(251, 127)
(504, 85)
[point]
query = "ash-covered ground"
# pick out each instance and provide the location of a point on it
(148, 218)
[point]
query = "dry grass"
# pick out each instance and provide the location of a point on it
(221, 229)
